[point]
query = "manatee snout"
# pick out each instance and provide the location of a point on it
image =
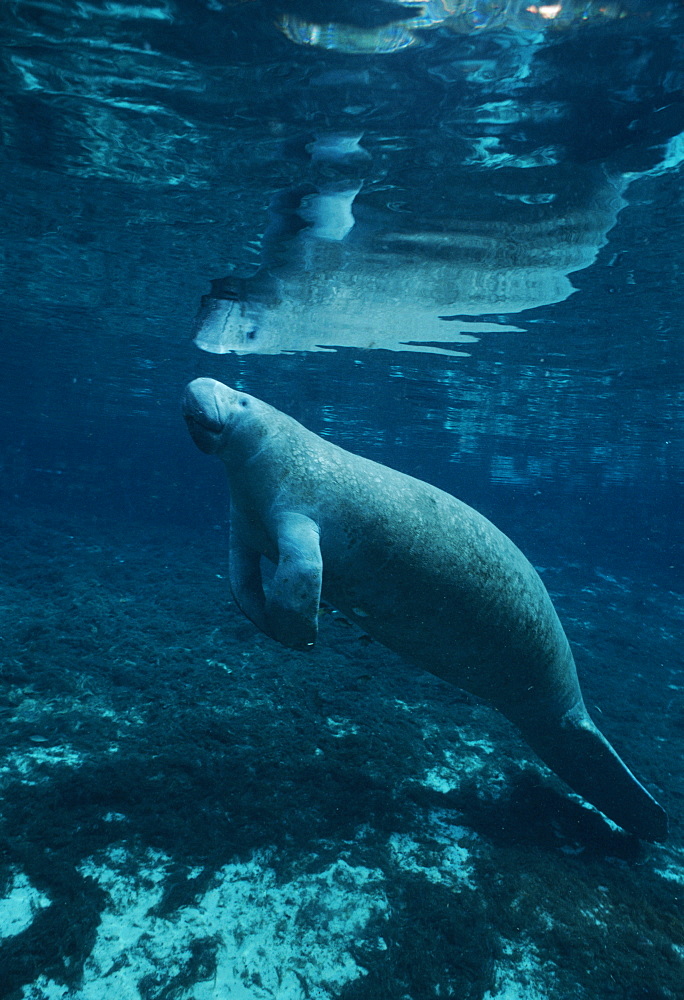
(206, 407)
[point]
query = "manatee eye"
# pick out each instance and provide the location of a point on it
(251, 334)
(243, 402)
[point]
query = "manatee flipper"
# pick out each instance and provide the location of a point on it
(579, 754)
(294, 595)
(245, 575)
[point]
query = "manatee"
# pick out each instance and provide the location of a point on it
(418, 570)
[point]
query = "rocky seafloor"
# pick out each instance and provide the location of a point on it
(189, 811)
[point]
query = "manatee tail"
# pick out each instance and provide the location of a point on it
(579, 754)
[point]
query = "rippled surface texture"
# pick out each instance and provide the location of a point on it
(192, 170)
(447, 236)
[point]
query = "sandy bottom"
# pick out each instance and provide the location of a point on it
(191, 812)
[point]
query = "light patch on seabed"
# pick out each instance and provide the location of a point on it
(290, 940)
(674, 865)
(19, 906)
(521, 977)
(341, 727)
(460, 764)
(23, 764)
(438, 855)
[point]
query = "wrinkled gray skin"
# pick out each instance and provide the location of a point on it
(417, 569)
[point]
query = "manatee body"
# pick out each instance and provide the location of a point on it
(418, 570)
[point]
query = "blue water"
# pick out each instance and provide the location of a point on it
(448, 238)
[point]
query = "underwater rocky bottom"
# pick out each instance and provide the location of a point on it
(190, 811)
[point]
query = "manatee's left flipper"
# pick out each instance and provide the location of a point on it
(245, 576)
(293, 598)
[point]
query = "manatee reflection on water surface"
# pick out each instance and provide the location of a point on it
(405, 288)
(489, 190)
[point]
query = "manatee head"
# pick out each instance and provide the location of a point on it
(219, 418)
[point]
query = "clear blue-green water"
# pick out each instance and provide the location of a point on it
(449, 238)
